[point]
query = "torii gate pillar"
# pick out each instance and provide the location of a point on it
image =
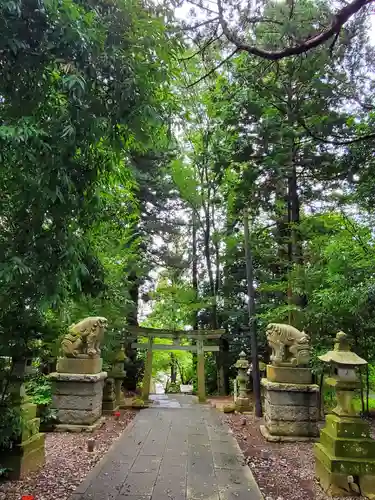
(201, 372)
(148, 372)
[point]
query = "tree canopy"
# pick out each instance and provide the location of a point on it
(136, 135)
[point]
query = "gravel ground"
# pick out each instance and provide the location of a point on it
(282, 471)
(67, 461)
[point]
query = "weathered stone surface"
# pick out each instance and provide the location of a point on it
(80, 427)
(340, 465)
(77, 397)
(282, 428)
(30, 429)
(367, 485)
(79, 365)
(74, 402)
(277, 386)
(291, 410)
(84, 337)
(78, 377)
(287, 398)
(347, 427)
(290, 413)
(29, 411)
(108, 407)
(78, 388)
(85, 417)
(24, 458)
(289, 375)
(342, 447)
(333, 484)
(284, 439)
(290, 347)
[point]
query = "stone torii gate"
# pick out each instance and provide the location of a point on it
(199, 336)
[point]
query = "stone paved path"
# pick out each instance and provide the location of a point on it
(176, 450)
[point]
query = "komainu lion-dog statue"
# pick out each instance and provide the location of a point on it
(290, 347)
(84, 338)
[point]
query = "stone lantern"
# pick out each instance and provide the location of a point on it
(242, 401)
(118, 374)
(345, 455)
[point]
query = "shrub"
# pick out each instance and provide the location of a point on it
(39, 389)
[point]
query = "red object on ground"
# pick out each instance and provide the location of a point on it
(116, 414)
(27, 497)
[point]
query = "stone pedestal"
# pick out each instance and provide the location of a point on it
(291, 411)
(82, 364)
(345, 454)
(27, 454)
(109, 404)
(78, 397)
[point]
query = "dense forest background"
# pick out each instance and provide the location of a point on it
(134, 139)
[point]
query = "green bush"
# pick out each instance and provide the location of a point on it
(173, 389)
(39, 389)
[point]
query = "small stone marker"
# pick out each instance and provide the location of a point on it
(90, 444)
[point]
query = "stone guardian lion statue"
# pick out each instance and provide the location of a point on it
(290, 347)
(84, 338)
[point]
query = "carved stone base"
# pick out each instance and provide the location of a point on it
(290, 411)
(284, 439)
(80, 428)
(77, 398)
(345, 453)
(79, 365)
(25, 457)
(243, 405)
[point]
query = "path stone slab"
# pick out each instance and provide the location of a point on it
(225, 447)
(136, 497)
(172, 454)
(146, 463)
(228, 461)
(237, 484)
(141, 484)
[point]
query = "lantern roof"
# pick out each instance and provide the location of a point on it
(341, 354)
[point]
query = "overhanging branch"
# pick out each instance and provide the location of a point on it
(213, 69)
(340, 18)
(346, 142)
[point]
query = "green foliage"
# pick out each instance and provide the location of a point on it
(39, 389)
(172, 388)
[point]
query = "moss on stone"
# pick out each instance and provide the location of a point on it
(229, 408)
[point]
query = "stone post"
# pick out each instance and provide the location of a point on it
(242, 401)
(201, 371)
(27, 454)
(118, 374)
(291, 401)
(109, 403)
(345, 455)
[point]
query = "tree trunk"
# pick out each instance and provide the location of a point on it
(173, 368)
(252, 317)
(130, 381)
(195, 263)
